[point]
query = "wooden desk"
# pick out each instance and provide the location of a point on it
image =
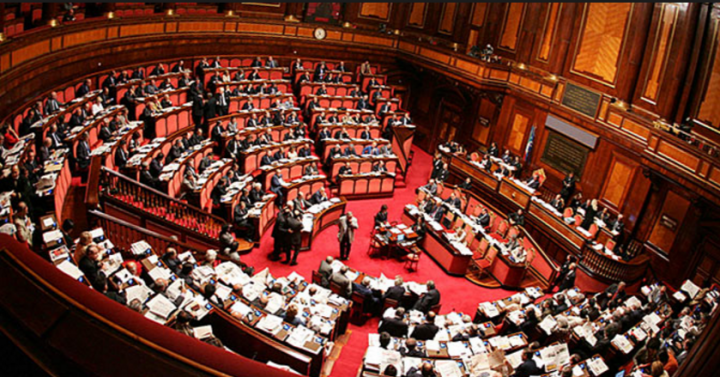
(250, 160)
(353, 130)
(283, 86)
(318, 110)
(291, 170)
(335, 102)
(263, 72)
(306, 186)
(358, 144)
(440, 249)
(506, 272)
(333, 89)
(260, 101)
(368, 185)
(569, 234)
(330, 216)
(466, 168)
(515, 193)
(361, 164)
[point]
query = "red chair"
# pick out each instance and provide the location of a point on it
(568, 212)
(484, 263)
(413, 259)
(593, 230)
(610, 244)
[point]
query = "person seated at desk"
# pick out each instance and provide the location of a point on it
(324, 134)
(341, 134)
(379, 167)
(292, 118)
(319, 196)
(506, 157)
(370, 300)
(321, 91)
(205, 162)
(279, 154)
(396, 292)
(335, 151)
(431, 187)
(301, 203)
(342, 280)
(533, 182)
(371, 150)
(242, 221)
(292, 153)
(428, 300)
(234, 147)
(517, 218)
(333, 119)
(365, 134)
(293, 317)
(254, 75)
(427, 205)
(256, 194)
(382, 216)
(311, 170)
(503, 170)
(266, 160)
(558, 203)
(385, 150)
(466, 185)
(345, 170)
(197, 137)
(454, 201)
(279, 118)
(438, 212)
(395, 326)
(264, 139)
(427, 329)
(617, 226)
(483, 218)
(156, 165)
(290, 135)
(519, 254)
(350, 151)
(528, 367)
(147, 178)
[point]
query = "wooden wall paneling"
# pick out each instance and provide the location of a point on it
(520, 125)
(447, 18)
(263, 10)
(559, 55)
(550, 26)
(512, 22)
(617, 182)
(690, 92)
(417, 15)
(479, 11)
(375, 11)
(707, 109)
(664, 26)
(600, 41)
(668, 223)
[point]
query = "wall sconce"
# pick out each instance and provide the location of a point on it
(553, 78)
(110, 15)
(2, 37)
(455, 47)
(170, 12)
(53, 23)
(521, 66)
(397, 31)
(230, 13)
(346, 25)
(291, 18)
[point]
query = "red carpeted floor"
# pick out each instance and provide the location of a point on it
(456, 293)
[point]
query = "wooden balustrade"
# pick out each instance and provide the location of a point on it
(605, 267)
(130, 193)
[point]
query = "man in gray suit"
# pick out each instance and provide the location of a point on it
(325, 271)
(342, 280)
(346, 234)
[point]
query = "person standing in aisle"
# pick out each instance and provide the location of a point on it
(346, 234)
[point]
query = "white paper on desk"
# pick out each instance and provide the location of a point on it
(432, 345)
(252, 291)
(515, 358)
(478, 363)
(458, 350)
(161, 306)
(70, 269)
(490, 310)
(691, 289)
(140, 247)
(679, 296)
(275, 302)
(622, 343)
(299, 336)
(241, 308)
(448, 368)
(159, 273)
(202, 332)
(222, 292)
(139, 292)
(477, 345)
(271, 323)
(577, 371)
(548, 324)
(597, 366)
(516, 341)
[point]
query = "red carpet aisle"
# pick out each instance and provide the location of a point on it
(456, 292)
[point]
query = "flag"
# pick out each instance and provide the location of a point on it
(530, 143)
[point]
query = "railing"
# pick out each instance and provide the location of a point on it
(123, 234)
(132, 193)
(605, 267)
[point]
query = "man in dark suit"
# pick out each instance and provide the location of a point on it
(234, 147)
(396, 292)
(301, 204)
(319, 196)
(146, 178)
(370, 301)
(156, 165)
(382, 216)
(453, 201)
(410, 349)
(280, 234)
(121, 155)
(294, 228)
(256, 194)
(443, 173)
(53, 105)
(363, 103)
(569, 279)
(82, 152)
(395, 326)
(276, 184)
(427, 329)
(241, 220)
(249, 105)
(429, 299)
(105, 134)
(384, 109)
(528, 367)
(223, 102)
(349, 151)
(517, 218)
(205, 162)
(175, 151)
(197, 109)
(83, 89)
(266, 160)
(209, 109)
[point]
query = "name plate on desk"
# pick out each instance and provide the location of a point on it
(581, 100)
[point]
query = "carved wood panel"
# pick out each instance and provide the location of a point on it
(669, 222)
(661, 49)
(548, 33)
(616, 182)
(447, 21)
(511, 26)
(520, 125)
(601, 39)
(709, 109)
(379, 11)
(417, 15)
(478, 15)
